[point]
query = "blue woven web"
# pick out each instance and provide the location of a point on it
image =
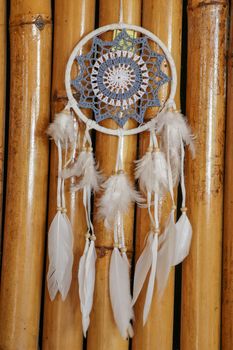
(119, 79)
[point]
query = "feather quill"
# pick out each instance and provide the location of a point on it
(120, 293)
(60, 251)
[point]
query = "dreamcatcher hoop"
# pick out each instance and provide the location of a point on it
(72, 103)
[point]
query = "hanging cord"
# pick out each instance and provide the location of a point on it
(182, 183)
(121, 17)
(119, 224)
(87, 190)
(59, 180)
(149, 195)
(169, 172)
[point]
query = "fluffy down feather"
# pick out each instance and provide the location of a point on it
(117, 197)
(85, 166)
(90, 175)
(144, 172)
(62, 128)
(77, 167)
(160, 173)
(178, 125)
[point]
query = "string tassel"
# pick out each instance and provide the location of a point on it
(60, 236)
(183, 226)
(119, 282)
(151, 171)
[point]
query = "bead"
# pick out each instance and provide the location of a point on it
(123, 249)
(184, 209)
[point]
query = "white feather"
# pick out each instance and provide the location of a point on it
(142, 268)
(151, 283)
(91, 177)
(160, 173)
(60, 251)
(183, 239)
(120, 293)
(165, 254)
(86, 278)
(117, 197)
(178, 125)
(145, 172)
(77, 167)
(62, 129)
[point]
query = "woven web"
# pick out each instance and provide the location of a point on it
(119, 79)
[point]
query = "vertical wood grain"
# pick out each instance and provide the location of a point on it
(227, 279)
(25, 215)
(62, 327)
(103, 333)
(201, 279)
(2, 99)
(158, 331)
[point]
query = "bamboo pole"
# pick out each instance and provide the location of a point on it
(158, 331)
(2, 99)
(201, 281)
(103, 333)
(62, 327)
(227, 281)
(30, 40)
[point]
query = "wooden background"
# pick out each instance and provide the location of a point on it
(196, 311)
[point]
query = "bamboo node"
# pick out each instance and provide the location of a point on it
(40, 23)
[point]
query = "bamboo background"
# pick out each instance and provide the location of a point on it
(196, 311)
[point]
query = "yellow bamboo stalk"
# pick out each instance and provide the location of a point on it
(227, 281)
(201, 281)
(158, 331)
(2, 97)
(103, 333)
(62, 327)
(30, 40)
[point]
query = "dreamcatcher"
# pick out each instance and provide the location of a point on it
(120, 79)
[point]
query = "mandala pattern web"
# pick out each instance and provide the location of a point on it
(119, 79)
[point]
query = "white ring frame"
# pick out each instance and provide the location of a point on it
(92, 124)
